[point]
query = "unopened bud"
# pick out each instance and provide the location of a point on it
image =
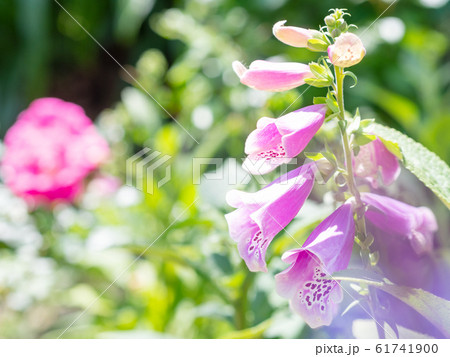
(347, 50)
(291, 35)
(325, 167)
(330, 21)
(336, 33)
(342, 25)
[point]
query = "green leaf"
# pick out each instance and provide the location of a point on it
(317, 45)
(362, 139)
(331, 116)
(426, 165)
(318, 70)
(319, 83)
(322, 155)
(319, 100)
(331, 103)
(393, 148)
(314, 155)
(433, 308)
(366, 122)
(353, 76)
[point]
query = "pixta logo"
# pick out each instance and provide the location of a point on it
(143, 170)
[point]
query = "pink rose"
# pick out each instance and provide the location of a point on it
(50, 149)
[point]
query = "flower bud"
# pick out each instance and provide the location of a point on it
(330, 21)
(272, 76)
(342, 25)
(347, 51)
(335, 33)
(290, 35)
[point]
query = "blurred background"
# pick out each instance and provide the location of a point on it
(54, 264)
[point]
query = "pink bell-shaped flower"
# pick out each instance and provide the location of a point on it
(374, 157)
(327, 250)
(277, 141)
(261, 215)
(272, 76)
(291, 35)
(417, 224)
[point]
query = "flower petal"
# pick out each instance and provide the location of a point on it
(261, 215)
(418, 224)
(374, 157)
(313, 298)
(290, 35)
(273, 76)
(327, 249)
(276, 141)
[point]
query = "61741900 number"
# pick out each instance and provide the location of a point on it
(406, 348)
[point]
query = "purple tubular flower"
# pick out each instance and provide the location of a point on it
(272, 76)
(372, 157)
(327, 250)
(261, 215)
(277, 141)
(418, 224)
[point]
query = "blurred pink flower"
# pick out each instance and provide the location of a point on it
(347, 50)
(49, 151)
(277, 141)
(417, 224)
(373, 157)
(291, 35)
(261, 215)
(328, 249)
(272, 76)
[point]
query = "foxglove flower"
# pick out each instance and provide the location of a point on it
(417, 224)
(49, 150)
(291, 35)
(272, 76)
(327, 250)
(347, 50)
(261, 215)
(277, 141)
(400, 263)
(373, 157)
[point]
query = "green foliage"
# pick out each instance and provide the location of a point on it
(426, 165)
(433, 308)
(189, 283)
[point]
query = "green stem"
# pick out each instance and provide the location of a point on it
(360, 220)
(240, 304)
(347, 151)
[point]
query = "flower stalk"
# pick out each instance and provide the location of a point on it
(361, 235)
(261, 215)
